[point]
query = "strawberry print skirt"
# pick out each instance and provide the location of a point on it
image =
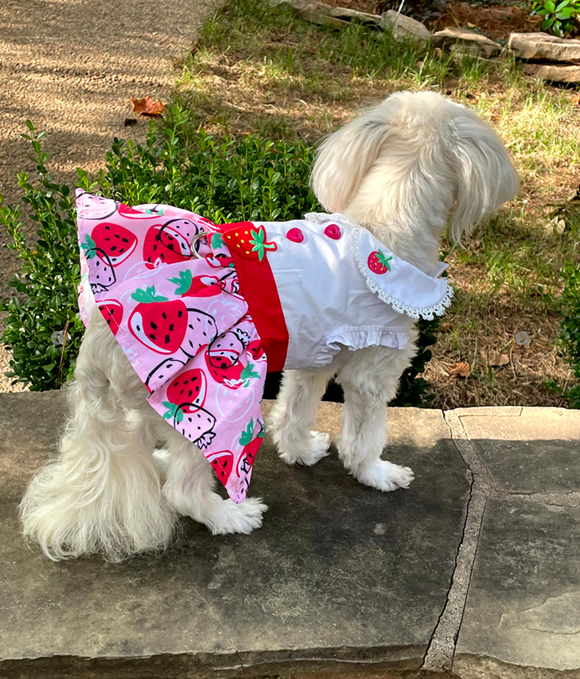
(166, 285)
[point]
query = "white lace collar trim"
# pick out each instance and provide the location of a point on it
(397, 282)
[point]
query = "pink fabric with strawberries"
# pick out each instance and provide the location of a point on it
(182, 323)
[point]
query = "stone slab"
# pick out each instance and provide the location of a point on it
(523, 607)
(554, 72)
(467, 41)
(527, 450)
(544, 46)
(404, 27)
(340, 575)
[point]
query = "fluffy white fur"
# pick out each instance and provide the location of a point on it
(405, 170)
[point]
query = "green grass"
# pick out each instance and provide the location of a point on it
(268, 71)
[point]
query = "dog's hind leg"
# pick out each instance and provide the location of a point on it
(103, 493)
(189, 490)
(370, 378)
(294, 414)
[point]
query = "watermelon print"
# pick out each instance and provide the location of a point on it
(182, 322)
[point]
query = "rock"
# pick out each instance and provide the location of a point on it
(405, 28)
(319, 13)
(544, 46)
(466, 41)
(569, 73)
(352, 15)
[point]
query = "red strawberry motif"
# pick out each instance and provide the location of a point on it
(112, 311)
(255, 349)
(248, 241)
(223, 360)
(161, 325)
(164, 245)
(295, 235)
(223, 463)
(116, 241)
(251, 446)
(333, 231)
(378, 262)
(198, 286)
(188, 389)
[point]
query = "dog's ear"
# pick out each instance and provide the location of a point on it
(346, 156)
(486, 177)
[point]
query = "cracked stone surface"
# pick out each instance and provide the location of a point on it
(340, 575)
(523, 606)
(527, 450)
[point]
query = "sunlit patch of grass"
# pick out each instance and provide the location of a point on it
(261, 70)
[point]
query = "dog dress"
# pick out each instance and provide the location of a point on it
(203, 312)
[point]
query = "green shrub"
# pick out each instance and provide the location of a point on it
(560, 18)
(224, 179)
(570, 329)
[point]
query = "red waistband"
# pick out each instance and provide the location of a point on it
(258, 287)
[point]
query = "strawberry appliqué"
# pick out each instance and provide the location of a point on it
(378, 262)
(248, 242)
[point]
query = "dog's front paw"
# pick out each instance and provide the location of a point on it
(384, 475)
(307, 452)
(237, 518)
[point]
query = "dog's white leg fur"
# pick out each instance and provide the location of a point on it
(370, 378)
(103, 493)
(293, 416)
(189, 490)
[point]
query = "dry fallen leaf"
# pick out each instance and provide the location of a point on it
(495, 359)
(460, 370)
(147, 107)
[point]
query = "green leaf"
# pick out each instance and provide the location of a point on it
(249, 373)
(147, 296)
(217, 241)
(248, 434)
(183, 282)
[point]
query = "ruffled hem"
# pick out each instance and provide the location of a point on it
(359, 338)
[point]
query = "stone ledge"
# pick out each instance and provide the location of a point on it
(339, 577)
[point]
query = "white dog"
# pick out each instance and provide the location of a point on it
(405, 170)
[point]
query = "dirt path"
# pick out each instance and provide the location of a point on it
(70, 66)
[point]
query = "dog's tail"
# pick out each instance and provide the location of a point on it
(103, 493)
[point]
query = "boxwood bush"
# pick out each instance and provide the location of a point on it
(224, 179)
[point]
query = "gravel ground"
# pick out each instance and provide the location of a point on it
(71, 66)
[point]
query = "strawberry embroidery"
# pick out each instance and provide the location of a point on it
(249, 242)
(378, 262)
